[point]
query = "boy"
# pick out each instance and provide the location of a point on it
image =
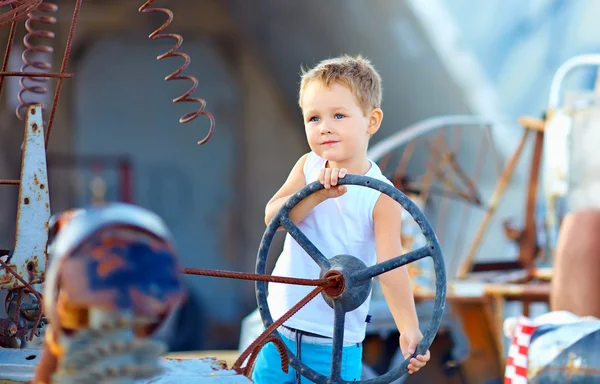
(340, 100)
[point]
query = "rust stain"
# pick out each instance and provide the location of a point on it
(148, 305)
(114, 238)
(573, 367)
(97, 253)
(110, 263)
(35, 179)
(5, 279)
(581, 371)
(173, 359)
(31, 265)
(218, 365)
(70, 316)
(8, 328)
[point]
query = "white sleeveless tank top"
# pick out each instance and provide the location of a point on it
(342, 225)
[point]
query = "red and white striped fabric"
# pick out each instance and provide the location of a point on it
(516, 362)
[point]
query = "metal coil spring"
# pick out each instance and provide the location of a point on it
(157, 34)
(36, 85)
(19, 8)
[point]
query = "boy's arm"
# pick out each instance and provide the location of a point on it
(293, 184)
(396, 284)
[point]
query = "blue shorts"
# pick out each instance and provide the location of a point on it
(267, 368)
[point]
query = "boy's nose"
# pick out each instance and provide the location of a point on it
(325, 128)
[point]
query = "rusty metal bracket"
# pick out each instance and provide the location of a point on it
(28, 257)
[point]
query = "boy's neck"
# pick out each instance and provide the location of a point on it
(356, 166)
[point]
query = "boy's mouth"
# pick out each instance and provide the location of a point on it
(330, 142)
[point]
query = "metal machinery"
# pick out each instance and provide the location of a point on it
(565, 160)
(102, 300)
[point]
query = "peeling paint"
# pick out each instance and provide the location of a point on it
(33, 211)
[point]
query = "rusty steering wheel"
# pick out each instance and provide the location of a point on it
(357, 278)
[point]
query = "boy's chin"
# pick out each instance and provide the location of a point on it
(330, 156)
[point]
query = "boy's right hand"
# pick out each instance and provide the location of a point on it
(329, 178)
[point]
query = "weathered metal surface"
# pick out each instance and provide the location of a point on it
(113, 280)
(556, 170)
(565, 353)
(352, 278)
(207, 370)
(86, 229)
(584, 159)
(19, 365)
(28, 258)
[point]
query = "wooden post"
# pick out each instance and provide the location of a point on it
(528, 244)
(501, 185)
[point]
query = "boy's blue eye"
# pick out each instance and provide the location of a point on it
(339, 116)
(314, 118)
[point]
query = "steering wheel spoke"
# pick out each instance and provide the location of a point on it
(305, 243)
(394, 263)
(339, 320)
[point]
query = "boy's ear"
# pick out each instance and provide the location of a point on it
(375, 119)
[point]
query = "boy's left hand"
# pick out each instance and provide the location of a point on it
(409, 339)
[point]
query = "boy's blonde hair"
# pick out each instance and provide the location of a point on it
(357, 73)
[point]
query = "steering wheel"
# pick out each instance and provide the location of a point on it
(357, 277)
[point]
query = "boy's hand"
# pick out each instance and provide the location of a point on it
(329, 178)
(408, 344)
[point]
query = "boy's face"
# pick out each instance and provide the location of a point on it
(336, 126)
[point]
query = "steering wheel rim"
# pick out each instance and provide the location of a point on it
(431, 249)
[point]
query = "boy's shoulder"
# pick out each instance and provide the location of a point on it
(377, 173)
(314, 160)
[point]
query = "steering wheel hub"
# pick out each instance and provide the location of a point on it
(349, 293)
(338, 285)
